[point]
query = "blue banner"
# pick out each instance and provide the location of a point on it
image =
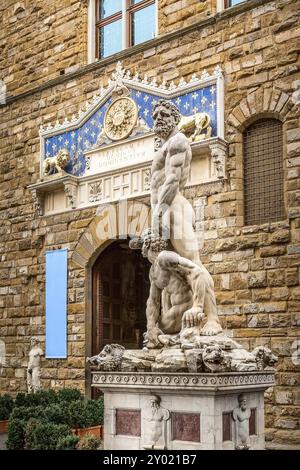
(56, 304)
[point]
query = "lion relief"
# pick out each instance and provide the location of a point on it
(54, 165)
(196, 127)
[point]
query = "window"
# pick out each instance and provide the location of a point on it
(123, 23)
(263, 172)
(231, 3)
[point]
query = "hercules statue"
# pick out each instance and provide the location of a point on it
(173, 220)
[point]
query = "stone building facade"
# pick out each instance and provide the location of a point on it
(49, 73)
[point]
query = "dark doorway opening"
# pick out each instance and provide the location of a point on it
(120, 291)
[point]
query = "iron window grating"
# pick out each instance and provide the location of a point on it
(263, 172)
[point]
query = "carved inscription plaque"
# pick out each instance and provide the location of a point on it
(121, 155)
(185, 427)
(128, 422)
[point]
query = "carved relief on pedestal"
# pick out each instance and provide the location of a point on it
(146, 179)
(218, 153)
(95, 191)
(241, 417)
(70, 189)
(155, 425)
(38, 201)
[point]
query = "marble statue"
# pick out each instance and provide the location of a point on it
(176, 298)
(183, 329)
(156, 425)
(241, 416)
(33, 368)
(173, 216)
(56, 164)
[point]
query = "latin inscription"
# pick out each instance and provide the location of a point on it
(121, 155)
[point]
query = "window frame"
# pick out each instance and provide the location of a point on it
(225, 4)
(125, 15)
(259, 119)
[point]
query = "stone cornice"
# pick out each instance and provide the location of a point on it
(138, 48)
(184, 381)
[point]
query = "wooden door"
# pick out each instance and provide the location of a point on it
(120, 291)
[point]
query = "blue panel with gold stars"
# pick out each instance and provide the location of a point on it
(84, 138)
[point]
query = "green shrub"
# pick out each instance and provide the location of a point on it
(69, 394)
(6, 406)
(57, 413)
(94, 412)
(25, 412)
(16, 434)
(89, 442)
(46, 435)
(45, 397)
(40, 398)
(67, 443)
(25, 399)
(83, 414)
(77, 414)
(31, 425)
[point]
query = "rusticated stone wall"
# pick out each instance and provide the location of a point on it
(256, 269)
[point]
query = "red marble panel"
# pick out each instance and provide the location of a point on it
(226, 426)
(185, 427)
(252, 422)
(128, 422)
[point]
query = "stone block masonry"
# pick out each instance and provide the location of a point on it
(255, 269)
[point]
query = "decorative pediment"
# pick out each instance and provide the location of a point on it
(82, 132)
(104, 152)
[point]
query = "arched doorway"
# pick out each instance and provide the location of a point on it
(120, 288)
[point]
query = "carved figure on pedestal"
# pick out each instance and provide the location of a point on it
(33, 368)
(241, 416)
(172, 214)
(156, 426)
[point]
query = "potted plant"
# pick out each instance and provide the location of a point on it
(86, 417)
(88, 442)
(46, 435)
(6, 406)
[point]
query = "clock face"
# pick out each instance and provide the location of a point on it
(120, 118)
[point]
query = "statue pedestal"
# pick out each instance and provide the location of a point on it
(183, 411)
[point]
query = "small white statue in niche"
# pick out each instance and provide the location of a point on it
(156, 425)
(33, 368)
(2, 356)
(241, 417)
